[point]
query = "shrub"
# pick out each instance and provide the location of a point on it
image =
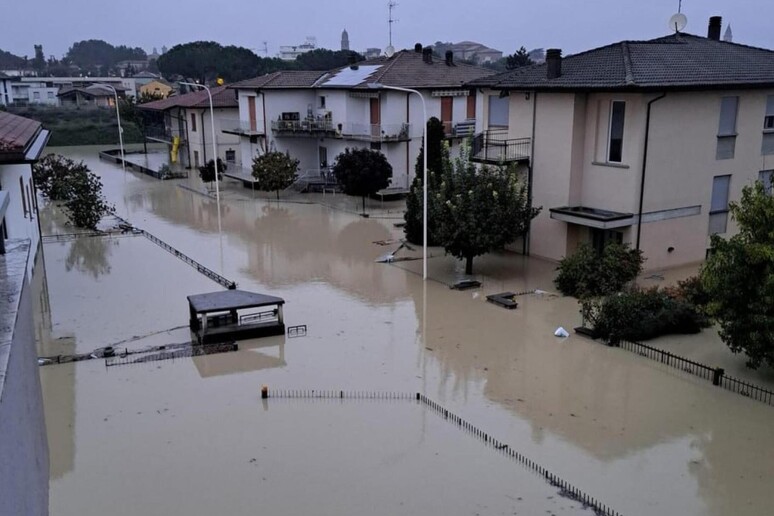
(587, 273)
(207, 172)
(637, 315)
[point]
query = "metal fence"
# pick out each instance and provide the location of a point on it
(716, 375)
(567, 490)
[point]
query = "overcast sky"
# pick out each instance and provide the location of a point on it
(573, 25)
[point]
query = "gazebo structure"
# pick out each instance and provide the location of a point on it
(235, 315)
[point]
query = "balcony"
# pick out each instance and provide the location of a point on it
(494, 147)
(460, 129)
(376, 132)
(242, 127)
(304, 128)
(163, 135)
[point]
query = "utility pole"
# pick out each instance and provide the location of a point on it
(391, 4)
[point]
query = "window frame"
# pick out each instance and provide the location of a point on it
(714, 211)
(609, 150)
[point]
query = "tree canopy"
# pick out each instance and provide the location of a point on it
(437, 157)
(324, 59)
(275, 171)
(10, 61)
(362, 172)
(480, 210)
(518, 59)
(739, 278)
(97, 53)
(207, 60)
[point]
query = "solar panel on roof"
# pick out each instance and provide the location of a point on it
(350, 77)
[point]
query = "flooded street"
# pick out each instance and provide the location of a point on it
(192, 436)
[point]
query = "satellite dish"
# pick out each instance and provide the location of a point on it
(678, 22)
(389, 51)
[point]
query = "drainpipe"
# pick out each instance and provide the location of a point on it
(528, 236)
(644, 168)
(204, 146)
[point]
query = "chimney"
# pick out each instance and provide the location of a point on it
(553, 63)
(713, 32)
(449, 58)
(418, 48)
(427, 55)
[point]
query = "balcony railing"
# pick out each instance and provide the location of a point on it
(242, 127)
(162, 134)
(376, 132)
(303, 127)
(494, 147)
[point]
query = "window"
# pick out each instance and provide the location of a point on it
(766, 177)
(51, 94)
(196, 159)
(718, 215)
(231, 156)
(727, 128)
(498, 111)
(322, 102)
(36, 95)
(193, 122)
(767, 146)
(616, 132)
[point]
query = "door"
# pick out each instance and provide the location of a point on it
(446, 114)
(376, 118)
(323, 154)
(471, 112)
(251, 109)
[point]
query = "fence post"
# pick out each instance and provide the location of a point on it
(717, 375)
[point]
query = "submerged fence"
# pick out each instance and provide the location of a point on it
(566, 489)
(716, 375)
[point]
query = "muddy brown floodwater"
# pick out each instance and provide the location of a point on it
(192, 436)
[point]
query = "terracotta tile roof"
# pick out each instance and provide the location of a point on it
(281, 80)
(679, 61)
(222, 97)
(16, 132)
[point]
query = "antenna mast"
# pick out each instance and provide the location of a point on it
(679, 6)
(392, 4)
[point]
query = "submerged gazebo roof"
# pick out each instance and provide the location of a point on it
(230, 300)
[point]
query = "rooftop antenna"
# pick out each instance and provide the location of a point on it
(265, 49)
(391, 5)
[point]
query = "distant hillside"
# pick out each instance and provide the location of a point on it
(8, 61)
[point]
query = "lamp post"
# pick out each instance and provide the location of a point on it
(121, 145)
(379, 86)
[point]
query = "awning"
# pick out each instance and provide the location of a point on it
(593, 217)
(230, 300)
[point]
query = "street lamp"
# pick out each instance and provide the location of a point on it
(214, 161)
(120, 130)
(379, 86)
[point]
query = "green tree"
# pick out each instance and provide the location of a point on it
(39, 61)
(518, 59)
(587, 273)
(205, 61)
(61, 179)
(275, 171)
(324, 59)
(96, 54)
(9, 61)
(362, 172)
(437, 156)
(480, 210)
(207, 172)
(739, 278)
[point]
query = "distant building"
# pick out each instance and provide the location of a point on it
(44, 90)
(372, 53)
(5, 90)
(145, 77)
(728, 37)
(156, 88)
(95, 95)
(344, 40)
(475, 52)
(290, 52)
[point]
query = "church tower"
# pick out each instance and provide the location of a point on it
(344, 40)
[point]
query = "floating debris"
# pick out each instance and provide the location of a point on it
(504, 299)
(465, 285)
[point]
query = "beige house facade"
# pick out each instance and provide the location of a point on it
(638, 142)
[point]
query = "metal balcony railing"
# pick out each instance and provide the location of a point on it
(494, 147)
(376, 132)
(307, 127)
(163, 134)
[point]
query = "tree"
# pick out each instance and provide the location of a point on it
(518, 59)
(61, 179)
(362, 172)
(324, 59)
(437, 156)
(739, 278)
(207, 172)
(588, 273)
(275, 171)
(207, 60)
(480, 210)
(9, 61)
(39, 61)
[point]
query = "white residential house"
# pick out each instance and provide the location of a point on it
(315, 116)
(642, 142)
(21, 143)
(184, 125)
(5, 90)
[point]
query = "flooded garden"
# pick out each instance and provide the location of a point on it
(193, 436)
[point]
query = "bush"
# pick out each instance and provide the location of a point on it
(587, 273)
(207, 172)
(692, 291)
(637, 315)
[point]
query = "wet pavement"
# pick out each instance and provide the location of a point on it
(178, 436)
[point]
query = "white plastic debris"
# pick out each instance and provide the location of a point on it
(561, 332)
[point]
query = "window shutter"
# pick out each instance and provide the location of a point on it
(728, 107)
(498, 111)
(720, 188)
